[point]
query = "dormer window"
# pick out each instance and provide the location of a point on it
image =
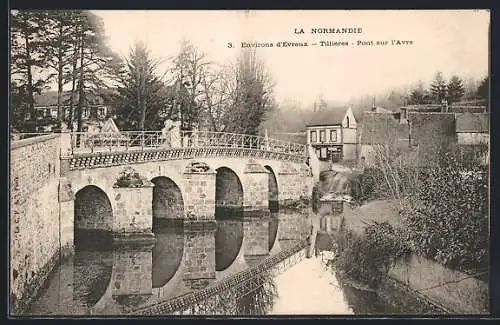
(347, 121)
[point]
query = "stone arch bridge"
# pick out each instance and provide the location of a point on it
(69, 181)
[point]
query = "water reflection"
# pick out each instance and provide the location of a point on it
(273, 229)
(228, 242)
(167, 251)
(102, 279)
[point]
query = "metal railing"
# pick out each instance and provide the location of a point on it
(84, 142)
(136, 140)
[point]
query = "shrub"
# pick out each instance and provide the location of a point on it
(449, 220)
(373, 185)
(368, 258)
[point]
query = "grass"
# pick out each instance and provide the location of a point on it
(359, 218)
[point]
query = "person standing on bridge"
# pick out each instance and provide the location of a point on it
(166, 133)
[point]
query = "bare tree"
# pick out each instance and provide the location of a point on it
(190, 66)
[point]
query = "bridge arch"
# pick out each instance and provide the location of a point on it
(228, 193)
(273, 190)
(167, 200)
(93, 211)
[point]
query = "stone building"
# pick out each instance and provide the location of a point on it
(332, 136)
(380, 129)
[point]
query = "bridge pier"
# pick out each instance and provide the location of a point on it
(199, 196)
(255, 188)
(199, 253)
(133, 215)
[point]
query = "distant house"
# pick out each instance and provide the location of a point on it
(431, 134)
(472, 132)
(472, 128)
(46, 105)
(381, 129)
(332, 134)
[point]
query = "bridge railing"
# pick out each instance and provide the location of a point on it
(85, 142)
(82, 142)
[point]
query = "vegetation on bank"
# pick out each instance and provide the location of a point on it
(443, 216)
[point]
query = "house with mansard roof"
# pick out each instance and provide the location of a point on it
(332, 136)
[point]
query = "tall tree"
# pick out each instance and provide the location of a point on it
(417, 95)
(216, 99)
(57, 49)
(27, 27)
(95, 62)
(483, 91)
(438, 88)
(455, 90)
(142, 94)
(190, 66)
(251, 94)
(470, 87)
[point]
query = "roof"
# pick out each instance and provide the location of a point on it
(378, 128)
(49, 98)
(296, 137)
(379, 109)
(109, 127)
(423, 108)
(327, 116)
(433, 133)
(472, 122)
(464, 109)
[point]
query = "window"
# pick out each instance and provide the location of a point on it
(314, 136)
(347, 121)
(322, 136)
(333, 135)
(318, 153)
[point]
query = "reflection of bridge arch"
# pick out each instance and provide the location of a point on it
(92, 274)
(93, 214)
(228, 193)
(273, 206)
(167, 199)
(228, 242)
(167, 253)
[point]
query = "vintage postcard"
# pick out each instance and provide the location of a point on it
(249, 162)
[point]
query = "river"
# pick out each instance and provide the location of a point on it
(101, 279)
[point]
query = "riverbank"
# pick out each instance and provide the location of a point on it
(397, 270)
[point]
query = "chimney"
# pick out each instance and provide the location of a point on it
(374, 108)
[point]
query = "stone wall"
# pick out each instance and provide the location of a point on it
(34, 216)
(454, 290)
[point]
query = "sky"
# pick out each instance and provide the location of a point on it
(450, 41)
